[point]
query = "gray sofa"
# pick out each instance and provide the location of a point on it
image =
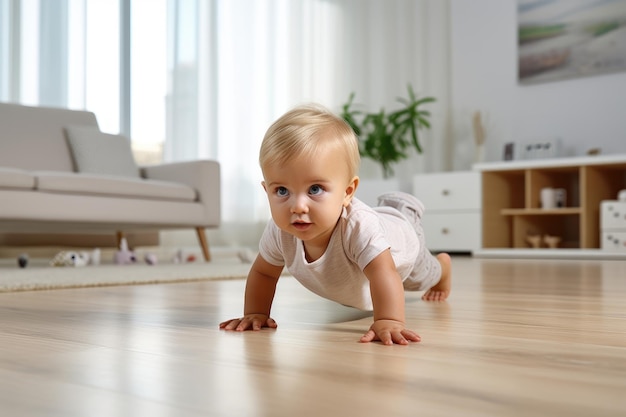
(60, 174)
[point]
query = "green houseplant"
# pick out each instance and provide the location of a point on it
(386, 137)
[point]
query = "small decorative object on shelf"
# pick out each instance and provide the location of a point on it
(560, 195)
(594, 151)
(552, 241)
(479, 137)
(552, 198)
(548, 198)
(509, 151)
(534, 241)
(550, 148)
(538, 241)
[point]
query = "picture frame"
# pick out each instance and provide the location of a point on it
(563, 39)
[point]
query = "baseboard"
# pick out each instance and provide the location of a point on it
(549, 254)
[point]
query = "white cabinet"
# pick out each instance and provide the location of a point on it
(512, 209)
(613, 225)
(452, 220)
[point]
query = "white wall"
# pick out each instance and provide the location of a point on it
(464, 53)
(584, 112)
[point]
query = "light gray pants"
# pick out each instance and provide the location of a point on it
(427, 271)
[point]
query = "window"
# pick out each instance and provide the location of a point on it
(148, 79)
(189, 79)
(67, 53)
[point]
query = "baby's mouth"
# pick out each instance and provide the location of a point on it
(301, 225)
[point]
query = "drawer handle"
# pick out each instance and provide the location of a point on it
(445, 192)
(444, 231)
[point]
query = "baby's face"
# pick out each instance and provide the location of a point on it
(307, 194)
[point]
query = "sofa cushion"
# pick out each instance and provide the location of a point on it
(16, 178)
(97, 152)
(32, 138)
(81, 183)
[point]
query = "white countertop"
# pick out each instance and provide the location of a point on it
(551, 163)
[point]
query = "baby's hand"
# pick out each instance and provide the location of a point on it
(249, 322)
(390, 332)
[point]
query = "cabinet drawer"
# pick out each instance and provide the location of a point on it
(449, 191)
(613, 214)
(454, 231)
(613, 241)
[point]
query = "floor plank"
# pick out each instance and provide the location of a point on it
(517, 337)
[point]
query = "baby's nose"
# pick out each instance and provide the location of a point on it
(300, 205)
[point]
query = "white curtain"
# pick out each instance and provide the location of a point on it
(233, 67)
(256, 59)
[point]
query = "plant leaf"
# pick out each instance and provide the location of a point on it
(385, 136)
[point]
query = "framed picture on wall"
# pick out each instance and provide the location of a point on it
(560, 39)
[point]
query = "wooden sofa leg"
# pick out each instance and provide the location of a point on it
(203, 243)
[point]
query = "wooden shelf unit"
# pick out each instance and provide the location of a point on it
(511, 207)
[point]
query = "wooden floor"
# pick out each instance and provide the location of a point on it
(516, 338)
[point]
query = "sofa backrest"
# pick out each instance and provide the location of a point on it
(33, 138)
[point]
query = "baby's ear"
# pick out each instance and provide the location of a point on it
(350, 191)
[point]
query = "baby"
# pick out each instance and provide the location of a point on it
(332, 243)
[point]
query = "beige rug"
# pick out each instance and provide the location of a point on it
(40, 276)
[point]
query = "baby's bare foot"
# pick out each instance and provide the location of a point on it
(442, 289)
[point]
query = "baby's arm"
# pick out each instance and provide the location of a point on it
(260, 290)
(388, 299)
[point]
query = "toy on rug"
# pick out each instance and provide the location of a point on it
(22, 260)
(151, 259)
(178, 257)
(124, 256)
(94, 259)
(70, 258)
(75, 258)
(181, 258)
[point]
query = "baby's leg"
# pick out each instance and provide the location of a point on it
(441, 290)
(430, 272)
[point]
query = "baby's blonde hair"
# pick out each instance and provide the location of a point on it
(303, 131)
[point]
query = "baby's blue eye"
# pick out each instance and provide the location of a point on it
(282, 192)
(316, 190)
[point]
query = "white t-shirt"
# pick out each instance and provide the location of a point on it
(361, 234)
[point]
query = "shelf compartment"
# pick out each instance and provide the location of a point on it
(599, 183)
(500, 190)
(504, 189)
(567, 178)
(567, 227)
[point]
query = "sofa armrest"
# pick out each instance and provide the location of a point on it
(201, 175)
